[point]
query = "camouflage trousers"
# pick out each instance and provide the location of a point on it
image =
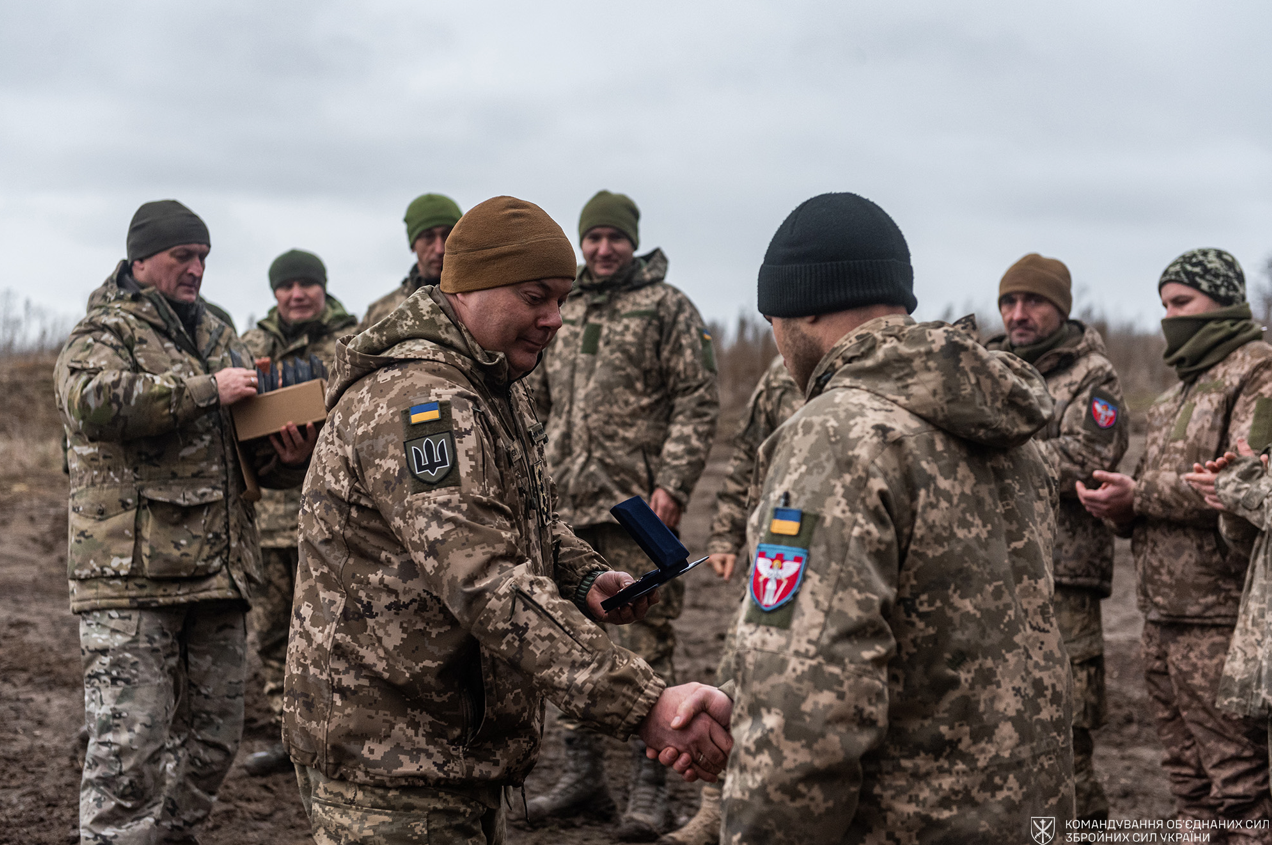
(163, 702)
(654, 637)
(343, 813)
(270, 618)
(1217, 762)
(1081, 626)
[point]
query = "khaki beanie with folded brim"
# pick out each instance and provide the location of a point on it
(1045, 277)
(505, 241)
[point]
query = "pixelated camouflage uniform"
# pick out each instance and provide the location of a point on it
(1078, 374)
(774, 399)
(628, 391)
(384, 306)
(915, 688)
(1190, 583)
(162, 558)
(277, 511)
(432, 617)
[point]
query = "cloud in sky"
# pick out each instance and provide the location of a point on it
(1113, 138)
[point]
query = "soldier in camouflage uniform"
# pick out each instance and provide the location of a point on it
(900, 675)
(438, 599)
(628, 390)
(1088, 432)
(775, 398)
(306, 322)
(429, 219)
(163, 552)
(1189, 578)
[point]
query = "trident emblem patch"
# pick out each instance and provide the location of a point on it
(1043, 829)
(430, 458)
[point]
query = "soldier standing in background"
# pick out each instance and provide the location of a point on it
(628, 390)
(163, 549)
(306, 322)
(901, 588)
(1189, 579)
(429, 219)
(1087, 432)
(775, 398)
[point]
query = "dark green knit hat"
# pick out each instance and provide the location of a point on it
(617, 210)
(297, 264)
(161, 225)
(1212, 271)
(832, 253)
(427, 211)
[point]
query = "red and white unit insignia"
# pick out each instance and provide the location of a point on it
(776, 575)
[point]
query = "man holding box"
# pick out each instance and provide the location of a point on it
(163, 547)
(305, 322)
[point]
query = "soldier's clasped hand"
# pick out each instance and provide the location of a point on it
(234, 384)
(687, 728)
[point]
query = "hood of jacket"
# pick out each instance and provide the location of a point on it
(424, 328)
(644, 270)
(333, 318)
(941, 374)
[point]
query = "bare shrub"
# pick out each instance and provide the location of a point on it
(26, 328)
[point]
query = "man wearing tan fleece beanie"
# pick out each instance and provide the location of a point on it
(439, 600)
(1088, 433)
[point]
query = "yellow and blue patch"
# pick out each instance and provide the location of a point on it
(786, 521)
(427, 412)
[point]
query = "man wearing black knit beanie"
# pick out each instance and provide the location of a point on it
(897, 663)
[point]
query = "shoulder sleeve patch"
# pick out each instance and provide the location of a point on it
(428, 444)
(1103, 413)
(777, 567)
(1261, 426)
(708, 352)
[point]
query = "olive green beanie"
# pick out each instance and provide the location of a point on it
(505, 241)
(427, 211)
(297, 264)
(161, 225)
(617, 210)
(1045, 277)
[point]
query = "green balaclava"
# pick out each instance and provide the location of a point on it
(607, 209)
(297, 264)
(1197, 342)
(427, 211)
(161, 225)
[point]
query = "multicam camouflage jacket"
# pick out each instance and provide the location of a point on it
(899, 672)
(628, 390)
(1186, 571)
(384, 306)
(1245, 687)
(277, 510)
(1089, 431)
(438, 600)
(772, 402)
(156, 509)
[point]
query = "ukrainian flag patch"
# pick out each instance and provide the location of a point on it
(786, 521)
(427, 412)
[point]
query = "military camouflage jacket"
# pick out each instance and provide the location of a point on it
(1245, 687)
(1187, 572)
(156, 509)
(276, 511)
(1089, 431)
(772, 402)
(437, 597)
(908, 682)
(629, 392)
(384, 306)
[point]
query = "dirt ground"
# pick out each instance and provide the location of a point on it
(41, 703)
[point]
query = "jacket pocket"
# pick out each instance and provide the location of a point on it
(181, 530)
(101, 525)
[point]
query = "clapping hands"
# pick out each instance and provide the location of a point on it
(688, 729)
(1203, 477)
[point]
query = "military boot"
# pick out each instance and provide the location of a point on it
(704, 827)
(272, 760)
(649, 812)
(581, 790)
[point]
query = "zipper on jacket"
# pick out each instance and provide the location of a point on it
(530, 601)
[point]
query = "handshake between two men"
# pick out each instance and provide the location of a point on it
(687, 729)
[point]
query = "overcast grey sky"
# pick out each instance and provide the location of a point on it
(1111, 135)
